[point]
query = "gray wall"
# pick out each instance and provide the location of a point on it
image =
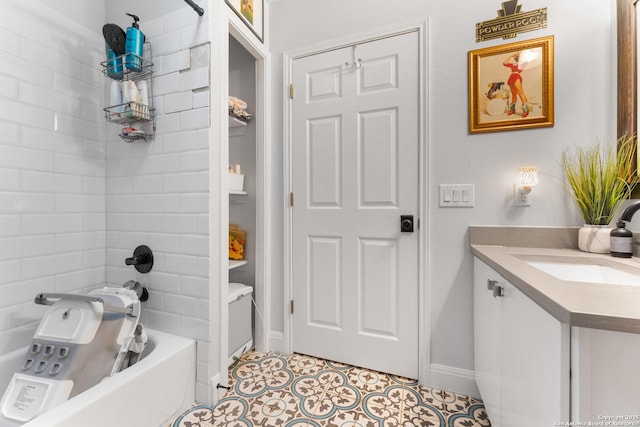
(585, 113)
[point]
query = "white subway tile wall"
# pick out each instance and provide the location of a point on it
(52, 165)
(75, 200)
(157, 193)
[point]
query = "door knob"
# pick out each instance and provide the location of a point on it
(406, 223)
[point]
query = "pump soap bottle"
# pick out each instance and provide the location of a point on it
(621, 241)
(134, 46)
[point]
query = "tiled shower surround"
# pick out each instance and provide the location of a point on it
(158, 194)
(75, 200)
(52, 164)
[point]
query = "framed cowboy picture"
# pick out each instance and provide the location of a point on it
(511, 86)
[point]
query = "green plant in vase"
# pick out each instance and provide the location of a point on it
(599, 179)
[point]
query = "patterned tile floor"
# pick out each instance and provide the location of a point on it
(272, 390)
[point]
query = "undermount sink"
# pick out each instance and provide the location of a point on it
(589, 271)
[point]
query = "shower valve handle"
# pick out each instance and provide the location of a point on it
(137, 260)
(142, 259)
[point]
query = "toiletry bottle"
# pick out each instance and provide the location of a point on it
(114, 38)
(144, 99)
(134, 46)
(621, 241)
(114, 63)
(116, 100)
(131, 99)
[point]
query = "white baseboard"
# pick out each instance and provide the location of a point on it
(239, 352)
(214, 391)
(440, 376)
(453, 379)
(276, 342)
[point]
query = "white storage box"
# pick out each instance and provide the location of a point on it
(236, 182)
(240, 336)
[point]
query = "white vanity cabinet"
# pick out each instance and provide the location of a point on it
(522, 356)
(605, 368)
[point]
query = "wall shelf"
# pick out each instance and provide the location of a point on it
(129, 112)
(236, 126)
(116, 68)
(130, 67)
(237, 263)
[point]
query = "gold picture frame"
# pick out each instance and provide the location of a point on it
(511, 86)
(251, 12)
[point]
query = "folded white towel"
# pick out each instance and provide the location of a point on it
(237, 103)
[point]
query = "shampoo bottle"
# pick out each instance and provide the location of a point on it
(621, 241)
(132, 99)
(116, 98)
(144, 99)
(134, 46)
(114, 63)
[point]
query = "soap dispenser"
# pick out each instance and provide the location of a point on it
(621, 241)
(134, 45)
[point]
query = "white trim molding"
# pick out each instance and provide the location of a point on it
(457, 380)
(276, 342)
(225, 24)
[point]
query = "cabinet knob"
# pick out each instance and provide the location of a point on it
(498, 291)
(491, 284)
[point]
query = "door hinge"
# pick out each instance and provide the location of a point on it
(291, 91)
(291, 199)
(291, 306)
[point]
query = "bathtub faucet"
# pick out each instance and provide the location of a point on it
(142, 292)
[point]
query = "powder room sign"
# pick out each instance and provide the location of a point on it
(511, 22)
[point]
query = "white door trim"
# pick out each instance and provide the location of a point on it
(264, 179)
(223, 24)
(424, 330)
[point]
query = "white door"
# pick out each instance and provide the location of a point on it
(355, 171)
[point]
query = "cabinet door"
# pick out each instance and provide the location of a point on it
(605, 375)
(534, 363)
(487, 339)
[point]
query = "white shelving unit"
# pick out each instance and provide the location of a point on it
(242, 151)
(236, 126)
(237, 263)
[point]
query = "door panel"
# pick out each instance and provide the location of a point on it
(324, 84)
(324, 160)
(379, 74)
(355, 169)
(378, 288)
(325, 282)
(378, 160)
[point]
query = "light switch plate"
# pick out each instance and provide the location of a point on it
(457, 195)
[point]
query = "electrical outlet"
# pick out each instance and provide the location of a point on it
(521, 200)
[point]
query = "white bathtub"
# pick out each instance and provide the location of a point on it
(150, 393)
